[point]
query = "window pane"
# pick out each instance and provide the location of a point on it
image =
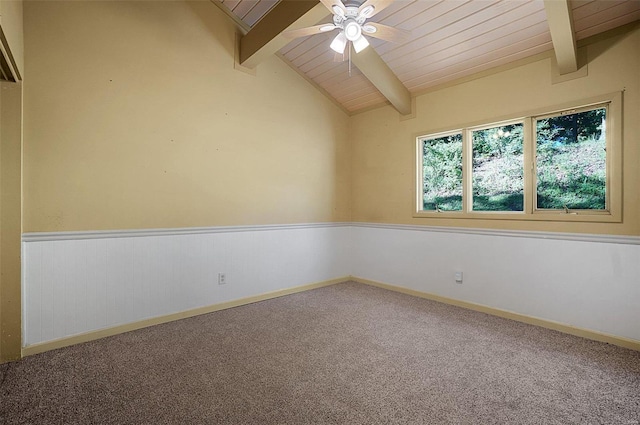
(571, 161)
(498, 171)
(442, 173)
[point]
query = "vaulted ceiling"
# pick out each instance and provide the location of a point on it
(449, 39)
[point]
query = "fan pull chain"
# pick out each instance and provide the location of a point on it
(349, 60)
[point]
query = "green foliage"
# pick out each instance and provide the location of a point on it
(497, 141)
(443, 203)
(571, 128)
(573, 175)
(498, 173)
(442, 173)
(499, 202)
(571, 161)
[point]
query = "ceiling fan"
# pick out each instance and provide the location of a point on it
(350, 18)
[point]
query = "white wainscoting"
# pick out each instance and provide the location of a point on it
(586, 281)
(78, 282)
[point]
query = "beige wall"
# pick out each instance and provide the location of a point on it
(136, 118)
(383, 145)
(10, 187)
(10, 141)
(1, 284)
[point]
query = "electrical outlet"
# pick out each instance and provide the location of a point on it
(222, 279)
(458, 277)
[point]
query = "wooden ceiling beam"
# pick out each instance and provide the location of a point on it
(563, 36)
(265, 38)
(378, 72)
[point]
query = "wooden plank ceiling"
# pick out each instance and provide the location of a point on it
(449, 39)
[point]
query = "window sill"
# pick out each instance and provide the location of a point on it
(593, 217)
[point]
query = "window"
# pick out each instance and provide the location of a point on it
(563, 164)
(498, 168)
(442, 172)
(571, 160)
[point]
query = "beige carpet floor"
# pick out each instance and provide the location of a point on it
(343, 354)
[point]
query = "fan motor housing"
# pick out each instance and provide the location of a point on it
(353, 3)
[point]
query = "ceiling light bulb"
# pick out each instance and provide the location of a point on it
(339, 43)
(337, 10)
(352, 30)
(327, 28)
(360, 44)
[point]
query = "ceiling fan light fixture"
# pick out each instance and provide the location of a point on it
(360, 44)
(337, 10)
(352, 30)
(339, 43)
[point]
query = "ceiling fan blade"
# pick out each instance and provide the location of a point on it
(378, 5)
(329, 4)
(303, 32)
(385, 32)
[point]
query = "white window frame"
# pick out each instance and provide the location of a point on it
(613, 202)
